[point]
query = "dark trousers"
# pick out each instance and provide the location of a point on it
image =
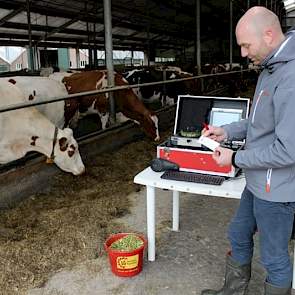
(274, 222)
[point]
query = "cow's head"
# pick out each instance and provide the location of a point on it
(66, 153)
(134, 109)
(149, 123)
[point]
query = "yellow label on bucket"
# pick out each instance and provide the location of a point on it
(127, 262)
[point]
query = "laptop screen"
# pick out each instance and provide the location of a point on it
(219, 116)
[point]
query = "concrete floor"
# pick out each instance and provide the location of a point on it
(187, 261)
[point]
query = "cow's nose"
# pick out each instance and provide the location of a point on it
(79, 172)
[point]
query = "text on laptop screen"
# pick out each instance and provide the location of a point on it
(221, 117)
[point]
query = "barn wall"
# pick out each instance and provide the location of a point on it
(4, 65)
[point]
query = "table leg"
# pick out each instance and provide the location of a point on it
(151, 232)
(175, 215)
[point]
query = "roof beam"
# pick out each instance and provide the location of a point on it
(69, 44)
(40, 28)
(90, 17)
(35, 8)
(126, 43)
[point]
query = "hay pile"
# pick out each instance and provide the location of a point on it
(68, 223)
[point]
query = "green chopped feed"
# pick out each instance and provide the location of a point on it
(127, 243)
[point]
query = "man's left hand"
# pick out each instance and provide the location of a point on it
(223, 156)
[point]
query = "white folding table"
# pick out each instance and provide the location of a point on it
(152, 180)
(231, 188)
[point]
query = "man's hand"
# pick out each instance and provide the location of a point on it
(222, 156)
(215, 133)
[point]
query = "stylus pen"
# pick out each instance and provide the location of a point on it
(205, 125)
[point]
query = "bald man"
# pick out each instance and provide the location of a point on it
(268, 159)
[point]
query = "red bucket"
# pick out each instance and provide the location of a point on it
(125, 263)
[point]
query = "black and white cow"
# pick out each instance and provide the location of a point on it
(167, 93)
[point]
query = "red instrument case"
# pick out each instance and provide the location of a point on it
(192, 113)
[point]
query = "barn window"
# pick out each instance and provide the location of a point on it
(4, 68)
(18, 66)
(164, 59)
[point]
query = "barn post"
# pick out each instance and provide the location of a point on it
(31, 53)
(198, 37)
(198, 41)
(148, 56)
(132, 57)
(230, 34)
(164, 90)
(109, 55)
(77, 57)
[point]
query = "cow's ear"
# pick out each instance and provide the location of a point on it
(68, 132)
(63, 145)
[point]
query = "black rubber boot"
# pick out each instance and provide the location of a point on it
(273, 290)
(236, 281)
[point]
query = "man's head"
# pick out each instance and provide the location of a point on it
(258, 32)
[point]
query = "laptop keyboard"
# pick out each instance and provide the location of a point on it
(193, 177)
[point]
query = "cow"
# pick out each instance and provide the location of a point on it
(167, 94)
(82, 82)
(43, 88)
(126, 101)
(147, 94)
(132, 107)
(27, 129)
(40, 89)
(66, 113)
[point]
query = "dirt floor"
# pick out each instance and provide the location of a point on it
(68, 223)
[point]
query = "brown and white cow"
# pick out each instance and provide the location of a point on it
(97, 103)
(133, 108)
(126, 101)
(26, 130)
(42, 88)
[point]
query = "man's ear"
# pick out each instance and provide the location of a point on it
(268, 37)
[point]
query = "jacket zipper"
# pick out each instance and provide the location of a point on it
(268, 180)
(258, 98)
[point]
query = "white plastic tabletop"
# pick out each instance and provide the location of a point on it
(231, 188)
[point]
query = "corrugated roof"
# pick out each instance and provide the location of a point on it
(137, 24)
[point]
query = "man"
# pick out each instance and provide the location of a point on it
(268, 201)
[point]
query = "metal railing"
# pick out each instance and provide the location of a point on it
(110, 89)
